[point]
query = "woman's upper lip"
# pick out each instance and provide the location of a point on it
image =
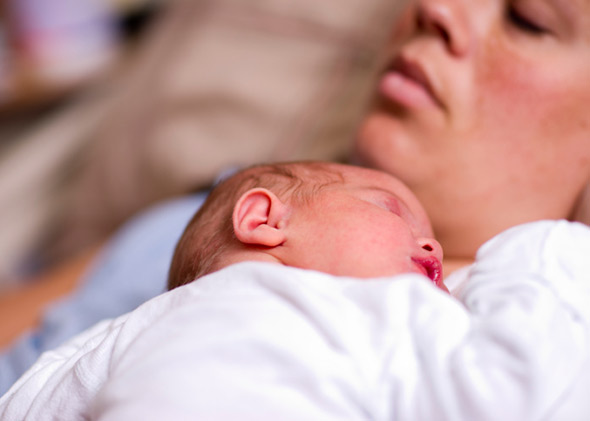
(415, 71)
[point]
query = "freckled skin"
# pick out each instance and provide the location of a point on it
(512, 143)
(349, 230)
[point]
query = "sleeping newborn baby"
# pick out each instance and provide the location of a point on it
(338, 219)
(320, 296)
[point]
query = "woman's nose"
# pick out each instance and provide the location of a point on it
(448, 20)
(431, 247)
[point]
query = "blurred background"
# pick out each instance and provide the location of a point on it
(48, 48)
(108, 107)
(54, 55)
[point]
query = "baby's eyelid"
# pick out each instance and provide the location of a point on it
(391, 205)
(383, 199)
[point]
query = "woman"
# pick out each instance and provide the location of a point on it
(481, 109)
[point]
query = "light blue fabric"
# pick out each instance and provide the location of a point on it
(132, 269)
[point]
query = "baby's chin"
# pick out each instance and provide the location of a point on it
(431, 271)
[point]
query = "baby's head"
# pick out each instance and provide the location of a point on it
(335, 218)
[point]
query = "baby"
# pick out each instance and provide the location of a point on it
(297, 315)
(338, 219)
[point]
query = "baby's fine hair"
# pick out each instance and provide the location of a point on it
(210, 232)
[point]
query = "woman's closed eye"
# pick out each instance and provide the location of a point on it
(524, 23)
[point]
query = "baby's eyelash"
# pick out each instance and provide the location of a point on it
(391, 205)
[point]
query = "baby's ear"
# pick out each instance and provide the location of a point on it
(259, 218)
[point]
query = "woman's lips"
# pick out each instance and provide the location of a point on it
(406, 83)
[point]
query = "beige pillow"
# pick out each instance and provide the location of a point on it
(221, 83)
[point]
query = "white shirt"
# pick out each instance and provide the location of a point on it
(263, 341)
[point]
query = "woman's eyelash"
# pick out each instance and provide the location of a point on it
(524, 23)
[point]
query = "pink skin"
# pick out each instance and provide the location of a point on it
(369, 226)
(482, 112)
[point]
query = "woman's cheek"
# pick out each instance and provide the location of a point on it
(520, 96)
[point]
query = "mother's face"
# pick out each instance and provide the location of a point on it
(484, 111)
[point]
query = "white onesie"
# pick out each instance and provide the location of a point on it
(262, 341)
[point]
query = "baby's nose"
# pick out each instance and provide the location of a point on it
(431, 246)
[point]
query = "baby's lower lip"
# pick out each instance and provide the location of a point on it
(431, 267)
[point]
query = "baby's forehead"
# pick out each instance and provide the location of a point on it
(375, 178)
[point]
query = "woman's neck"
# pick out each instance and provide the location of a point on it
(452, 264)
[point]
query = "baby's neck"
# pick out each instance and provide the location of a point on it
(252, 255)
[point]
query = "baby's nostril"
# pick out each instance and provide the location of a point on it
(427, 247)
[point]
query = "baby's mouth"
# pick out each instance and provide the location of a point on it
(432, 268)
